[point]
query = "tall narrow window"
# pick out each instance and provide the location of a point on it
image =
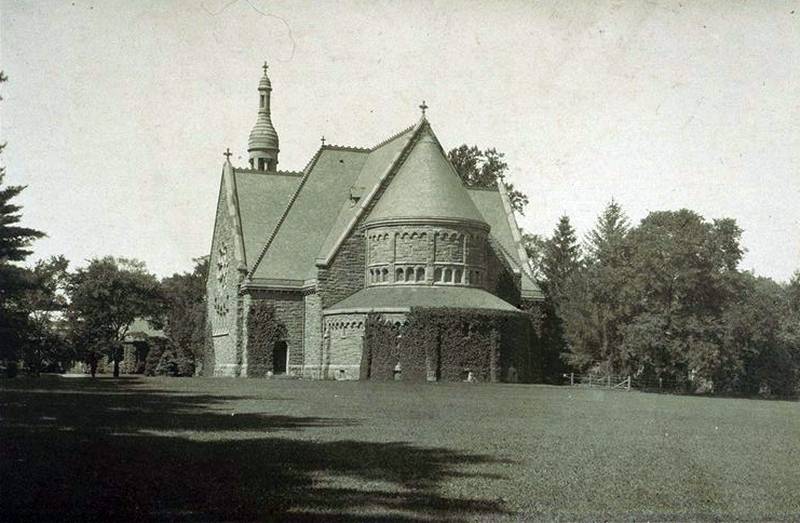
(263, 100)
(398, 276)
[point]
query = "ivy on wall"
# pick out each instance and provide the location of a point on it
(263, 331)
(449, 345)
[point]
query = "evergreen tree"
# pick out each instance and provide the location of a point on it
(560, 261)
(561, 258)
(597, 306)
(15, 241)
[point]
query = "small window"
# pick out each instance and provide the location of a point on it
(448, 275)
(457, 275)
(438, 275)
(410, 274)
(262, 163)
(263, 100)
(385, 275)
(420, 273)
(398, 276)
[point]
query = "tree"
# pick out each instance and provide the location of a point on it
(185, 318)
(534, 245)
(560, 261)
(485, 169)
(598, 307)
(682, 275)
(14, 242)
(43, 301)
(757, 353)
(105, 298)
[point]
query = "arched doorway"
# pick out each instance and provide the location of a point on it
(280, 354)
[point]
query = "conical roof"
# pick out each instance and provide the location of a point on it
(426, 187)
(263, 135)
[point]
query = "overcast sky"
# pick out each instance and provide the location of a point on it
(117, 113)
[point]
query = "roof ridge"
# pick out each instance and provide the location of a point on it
(481, 188)
(268, 173)
(393, 137)
(307, 171)
(352, 148)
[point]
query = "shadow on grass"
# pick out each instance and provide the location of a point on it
(92, 450)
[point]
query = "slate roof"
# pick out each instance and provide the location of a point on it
(262, 199)
(379, 160)
(387, 298)
(296, 240)
(490, 204)
(426, 186)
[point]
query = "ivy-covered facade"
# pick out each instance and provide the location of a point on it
(328, 273)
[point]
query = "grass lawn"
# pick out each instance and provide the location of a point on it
(201, 449)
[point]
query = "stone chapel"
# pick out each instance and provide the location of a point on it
(377, 230)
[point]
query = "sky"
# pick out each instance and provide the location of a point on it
(117, 113)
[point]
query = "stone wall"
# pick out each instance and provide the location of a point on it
(312, 337)
(426, 254)
(343, 346)
(289, 311)
(223, 301)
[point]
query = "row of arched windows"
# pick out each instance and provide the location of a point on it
(409, 274)
(416, 274)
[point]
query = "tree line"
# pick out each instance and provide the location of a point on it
(663, 301)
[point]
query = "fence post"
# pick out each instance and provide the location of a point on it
(629, 383)
(572, 378)
(659, 384)
(608, 381)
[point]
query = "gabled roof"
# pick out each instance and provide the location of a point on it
(292, 244)
(381, 159)
(426, 186)
(402, 298)
(499, 217)
(262, 198)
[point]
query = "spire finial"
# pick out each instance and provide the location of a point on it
(227, 154)
(322, 140)
(424, 107)
(265, 67)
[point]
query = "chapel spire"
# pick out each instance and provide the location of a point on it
(263, 144)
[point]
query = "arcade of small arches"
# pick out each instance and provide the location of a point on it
(410, 274)
(425, 255)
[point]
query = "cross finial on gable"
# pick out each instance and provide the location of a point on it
(265, 67)
(227, 154)
(322, 140)
(424, 107)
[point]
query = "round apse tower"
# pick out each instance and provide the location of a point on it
(425, 229)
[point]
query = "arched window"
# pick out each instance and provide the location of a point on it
(398, 275)
(409, 274)
(385, 275)
(448, 275)
(457, 276)
(420, 273)
(437, 275)
(371, 276)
